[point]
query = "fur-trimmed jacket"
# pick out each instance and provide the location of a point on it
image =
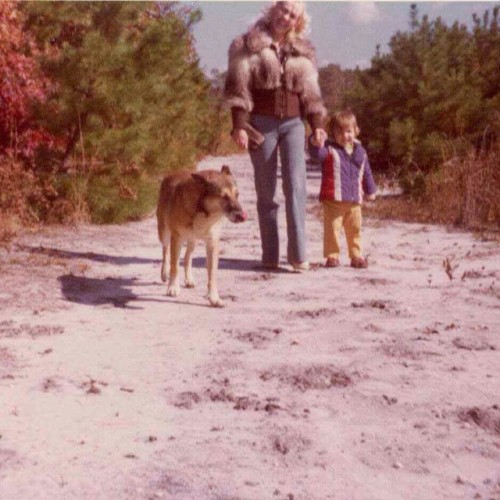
(254, 64)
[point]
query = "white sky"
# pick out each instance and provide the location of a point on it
(344, 33)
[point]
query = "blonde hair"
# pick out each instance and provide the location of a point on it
(303, 18)
(341, 120)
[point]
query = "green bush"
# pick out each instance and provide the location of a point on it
(435, 88)
(127, 95)
(113, 198)
(430, 152)
(402, 141)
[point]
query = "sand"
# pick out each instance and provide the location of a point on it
(380, 383)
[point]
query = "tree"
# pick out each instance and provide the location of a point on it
(334, 83)
(128, 98)
(486, 37)
(426, 97)
(21, 83)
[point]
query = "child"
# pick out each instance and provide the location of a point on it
(346, 175)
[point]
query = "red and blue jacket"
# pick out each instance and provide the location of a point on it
(345, 177)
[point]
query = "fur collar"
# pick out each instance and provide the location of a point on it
(259, 37)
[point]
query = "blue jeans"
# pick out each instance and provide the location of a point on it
(287, 135)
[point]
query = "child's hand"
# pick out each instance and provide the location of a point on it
(371, 197)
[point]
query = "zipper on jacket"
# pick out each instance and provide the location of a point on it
(281, 91)
(282, 98)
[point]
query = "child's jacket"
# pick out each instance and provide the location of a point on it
(344, 177)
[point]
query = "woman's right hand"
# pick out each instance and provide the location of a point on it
(240, 137)
(319, 138)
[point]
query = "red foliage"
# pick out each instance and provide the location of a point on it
(21, 82)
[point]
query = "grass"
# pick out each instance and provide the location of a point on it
(464, 193)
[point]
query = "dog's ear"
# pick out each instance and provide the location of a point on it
(200, 179)
(210, 188)
(226, 170)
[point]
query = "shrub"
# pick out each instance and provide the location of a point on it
(463, 192)
(480, 182)
(19, 190)
(402, 140)
(466, 192)
(430, 152)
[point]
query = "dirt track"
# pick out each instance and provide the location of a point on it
(333, 384)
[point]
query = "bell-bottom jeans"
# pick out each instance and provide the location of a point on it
(287, 136)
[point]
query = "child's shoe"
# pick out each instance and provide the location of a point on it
(298, 267)
(332, 262)
(359, 263)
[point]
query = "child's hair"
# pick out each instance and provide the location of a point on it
(342, 119)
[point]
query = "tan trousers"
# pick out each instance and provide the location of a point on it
(338, 215)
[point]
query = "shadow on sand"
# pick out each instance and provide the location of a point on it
(112, 291)
(118, 260)
(238, 265)
(117, 292)
(95, 292)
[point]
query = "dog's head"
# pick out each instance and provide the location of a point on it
(220, 193)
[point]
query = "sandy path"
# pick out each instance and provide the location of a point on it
(333, 384)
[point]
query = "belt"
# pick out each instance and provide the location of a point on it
(279, 103)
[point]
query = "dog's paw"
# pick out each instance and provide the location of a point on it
(173, 291)
(189, 284)
(216, 302)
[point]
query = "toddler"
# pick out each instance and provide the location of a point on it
(346, 176)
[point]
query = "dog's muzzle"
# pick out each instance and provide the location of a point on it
(241, 216)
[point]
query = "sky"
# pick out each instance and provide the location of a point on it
(344, 33)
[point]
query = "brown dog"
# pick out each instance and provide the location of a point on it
(192, 207)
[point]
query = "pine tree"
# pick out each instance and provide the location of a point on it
(334, 83)
(486, 54)
(426, 99)
(129, 98)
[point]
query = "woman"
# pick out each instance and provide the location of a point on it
(271, 84)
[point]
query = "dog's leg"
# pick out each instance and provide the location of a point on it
(188, 261)
(212, 266)
(175, 251)
(164, 236)
(165, 260)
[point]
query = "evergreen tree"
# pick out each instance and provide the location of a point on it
(431, 94)
(334, 83)
(486, 54)
(129, 98)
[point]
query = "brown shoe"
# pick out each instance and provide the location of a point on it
(332, 262)
(359, 263)
(269, 266)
